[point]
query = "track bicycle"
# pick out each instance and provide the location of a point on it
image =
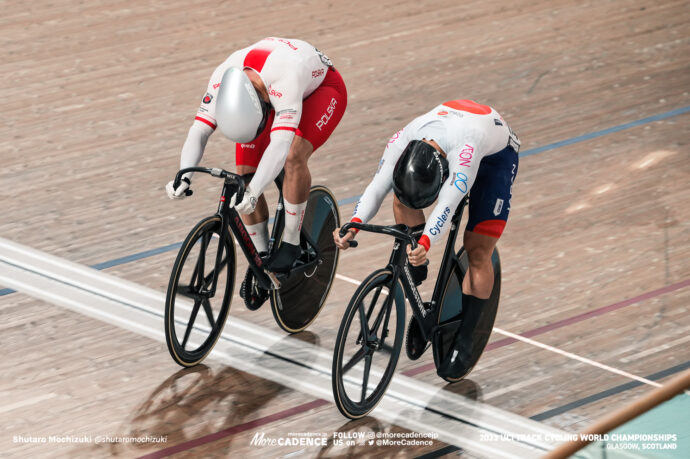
(370, 336)
(203, 275)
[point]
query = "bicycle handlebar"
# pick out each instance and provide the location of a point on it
(215, 172)
(398, 231)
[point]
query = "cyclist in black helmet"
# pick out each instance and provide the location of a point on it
(458, 146)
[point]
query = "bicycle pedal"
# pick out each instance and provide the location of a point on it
(274, 279)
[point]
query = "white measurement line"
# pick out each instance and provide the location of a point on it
(576, 357)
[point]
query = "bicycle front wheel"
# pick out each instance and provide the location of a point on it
(368, 344)
(302, 295)
(199, 292)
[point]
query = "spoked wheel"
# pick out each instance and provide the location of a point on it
(302, 294)
(199, 293)
(368, 344)
(451, 316)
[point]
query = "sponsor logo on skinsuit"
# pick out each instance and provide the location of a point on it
(395, 137)
(317, 73)
(287, 114)
(274, 93)
(498, 207)
(326, 117)
(324, 58)
(207, 98)
(293, 47)
(460, 182)
(440, 221)
(466, 155)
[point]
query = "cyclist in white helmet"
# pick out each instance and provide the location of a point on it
(458, 146)
(279, 100)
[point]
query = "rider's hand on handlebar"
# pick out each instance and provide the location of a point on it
(181, 191)
(343, 242)
(248, 203)
(417, 256)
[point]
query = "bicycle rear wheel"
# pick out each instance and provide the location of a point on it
(303, 294)
(450, 317)
(366, 354)
(195, 308)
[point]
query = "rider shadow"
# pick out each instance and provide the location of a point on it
(306, 337)
(465, 388)
(186, 406)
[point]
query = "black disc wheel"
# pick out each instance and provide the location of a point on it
(368, 344)
(451, 316)
(199, 293)
(303, 292)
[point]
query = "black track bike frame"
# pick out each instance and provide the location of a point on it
(399, 265)
(230, 218)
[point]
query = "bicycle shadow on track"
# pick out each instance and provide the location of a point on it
(470, 392)
(195, 402)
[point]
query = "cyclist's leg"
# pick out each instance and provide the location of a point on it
(247, 157)
(407, 216)
(321, 113)
(488, 214)
(479, 278)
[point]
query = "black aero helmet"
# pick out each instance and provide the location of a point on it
(419, 175)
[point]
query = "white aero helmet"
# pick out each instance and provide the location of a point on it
(240, 113)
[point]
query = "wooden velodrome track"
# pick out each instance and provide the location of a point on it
(97, 98)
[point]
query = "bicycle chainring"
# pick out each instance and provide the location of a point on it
(253, 295)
